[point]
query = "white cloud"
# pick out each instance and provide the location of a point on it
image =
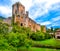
(5, 10)
(56, 18)
(46, 23)
(39, 12)
(56, 24)
(43, 6)
(26, 3)
(43, 3)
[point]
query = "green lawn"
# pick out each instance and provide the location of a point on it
(52, 42)
(37, 49)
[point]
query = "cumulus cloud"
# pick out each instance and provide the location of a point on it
(46, 23)
(56, 24)
(36, 8)
(42, 6)
(5, 10)
(26, 3)
(53, 22)
(56, 18)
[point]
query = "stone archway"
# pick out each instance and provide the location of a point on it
(58, 37)
(57, 34)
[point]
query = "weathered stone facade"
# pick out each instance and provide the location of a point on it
(22, 18)
(7, 20)
(57, 34)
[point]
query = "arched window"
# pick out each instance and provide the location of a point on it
(58, 37)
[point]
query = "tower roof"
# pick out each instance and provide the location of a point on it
(18, 3)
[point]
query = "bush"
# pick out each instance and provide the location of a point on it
(4, 45)
(12, 41)
(48, 36)
(40, 36)
(20, 29)
(17, 39)
(37, 36)
(4, 28)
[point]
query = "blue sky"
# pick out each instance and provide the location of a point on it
(44, 12)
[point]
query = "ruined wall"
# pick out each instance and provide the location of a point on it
(18, 10)
(32, 25)
(38, 27)
(43, 28)
(57, 34)
(7, 20)
(22, 18)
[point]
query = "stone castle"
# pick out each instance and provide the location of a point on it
(21, 17)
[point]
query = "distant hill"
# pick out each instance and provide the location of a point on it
(1, 17)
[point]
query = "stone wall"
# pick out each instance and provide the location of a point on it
(57, 34)
(22, 18)
(7, 20)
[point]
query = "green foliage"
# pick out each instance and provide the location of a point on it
(42, 28)
(38, 36)
(4, 45)
(56, 29)
(3, 28)
(51, 29)
(1, 18)
(18, 37)
(48, 36)
(12, 41)
(20, 29)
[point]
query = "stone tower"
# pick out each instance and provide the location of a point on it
(21, 17)
(18, 13)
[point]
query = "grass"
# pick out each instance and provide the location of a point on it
(51, 42)
(37, 49)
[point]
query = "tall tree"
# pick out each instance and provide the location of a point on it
(51, 29)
